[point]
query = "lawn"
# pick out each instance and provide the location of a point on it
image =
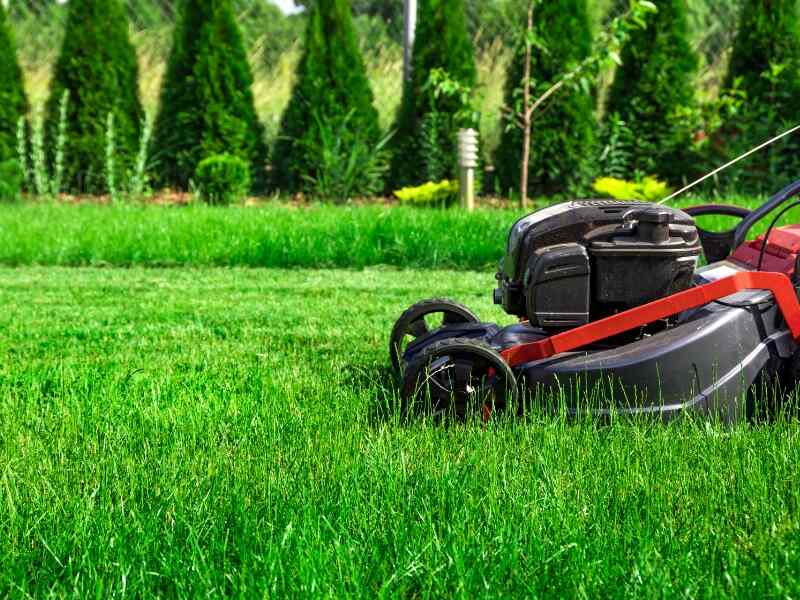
(188, 432)
(274, 235)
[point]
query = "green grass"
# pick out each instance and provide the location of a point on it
(275, 235)
(271, 235)
(189, 432)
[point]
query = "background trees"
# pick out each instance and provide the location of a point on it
(652, 99)
(97, 68)
(330, 114)
(424, 144)
(206, 100)
(13, 102)
(764, 72)
(563, 140)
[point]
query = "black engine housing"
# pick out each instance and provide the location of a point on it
(579, 261)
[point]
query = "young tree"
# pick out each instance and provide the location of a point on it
(207, 106)
(331, 102)
(425, 141)
(98, 68)
(13, 102)
(653, 92)
(765, 70)
(563, 133)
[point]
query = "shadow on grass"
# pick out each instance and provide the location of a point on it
(380, 383)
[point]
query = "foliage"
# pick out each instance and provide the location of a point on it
(222, 179)
(331, 90)
(648, 189)
(13, 101)
(654, 92)
(98, 67)
(765, 68)
(11, 180)
(348, 164)
(558, 162)
(207, 104)
(442, 193)
(431, 112)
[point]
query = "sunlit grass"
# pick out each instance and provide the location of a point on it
(195, 432)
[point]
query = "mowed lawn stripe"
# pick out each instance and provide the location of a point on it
(232, 431)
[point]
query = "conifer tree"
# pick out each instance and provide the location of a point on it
(98, 68)
(425, 140)
(331, 92)
(564, 132)
(653, 92)
(765, 70)
(207, 105)
(13, 102)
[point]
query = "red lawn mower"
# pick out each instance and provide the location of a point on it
(615, 317)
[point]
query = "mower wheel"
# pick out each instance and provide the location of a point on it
(422, 318)
(458, 378)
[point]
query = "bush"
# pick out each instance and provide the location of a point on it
(765, 71)
(348, 164)
(425, 142)
(11, 179)
(332, 90)
(653, 92)
(648, 189)
(559, 161)
(99, 69)
(207, 104)
(222, 179)
(13, 102)
(444, 193)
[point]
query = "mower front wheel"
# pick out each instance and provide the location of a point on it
(458, 378)
(422, 318)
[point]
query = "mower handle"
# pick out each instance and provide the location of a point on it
(741, 231)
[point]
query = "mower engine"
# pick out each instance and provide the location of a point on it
(576, 262)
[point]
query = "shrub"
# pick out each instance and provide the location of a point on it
(98, 67)
(331, 89)
(222, 179)
(11, 178)
(653, 92)
(648, 189)
(347, 163)
(13, 102)
(425, 142)
(207, 104)
(559, 161)
(765, 69)
(443, 193)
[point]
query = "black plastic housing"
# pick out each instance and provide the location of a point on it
(578, 261)
(558, 280)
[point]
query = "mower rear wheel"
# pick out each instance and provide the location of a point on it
(422, 318)
(458, 378)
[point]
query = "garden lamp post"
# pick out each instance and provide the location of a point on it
(410, 18)
(468, 162)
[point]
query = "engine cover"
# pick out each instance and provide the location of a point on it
(583, 260)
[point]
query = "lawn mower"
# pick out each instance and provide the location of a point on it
(616, 317)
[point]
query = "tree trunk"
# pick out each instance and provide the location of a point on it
(527, 114)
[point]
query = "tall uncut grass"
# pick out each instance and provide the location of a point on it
(269, 235)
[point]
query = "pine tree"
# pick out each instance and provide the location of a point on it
(765, 68)
(207, 105)
(331, 91)
(426, 130)
(98, 68)
(653, 92)
(13, 102)
(564, 131)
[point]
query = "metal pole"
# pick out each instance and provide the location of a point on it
(408, 36)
